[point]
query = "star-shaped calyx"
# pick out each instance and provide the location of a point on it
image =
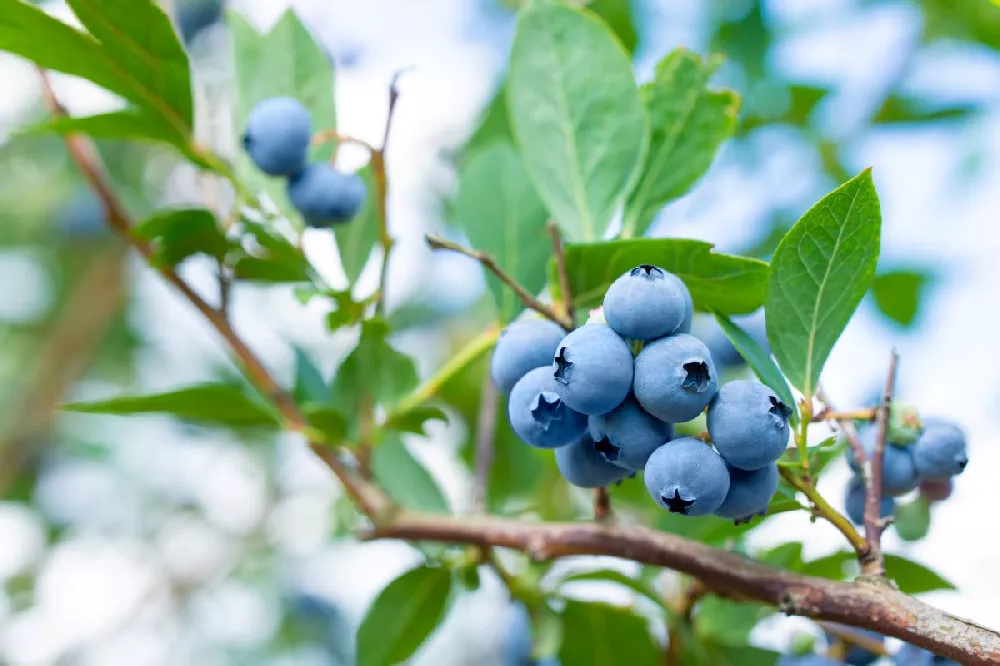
(608, 451)
(563, 366)
(548, 407)
(646, 271)
(779, 408)
(677, 504)
(698, 376)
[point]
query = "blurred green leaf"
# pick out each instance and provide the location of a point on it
(902, 110)
(258, 269)
(819, 274)
(328, 420)
(501, 214)
(414, 420)
(913, 577)
(724, 654)
(494, 124)
(760, 361)
(213, 404)
(273, 258)
(576, 113)
(598, 634)
(898, 294)
(178, 234)
(405, 479)
(404, 614)
(829, 566)
(824, 452)
(127, 124)
(718, 282)
(725, 621)
(689, 123)
(356, 238)
(372, 371)
(309, 383)
(618, 16)
(637, 585)
(784, 556)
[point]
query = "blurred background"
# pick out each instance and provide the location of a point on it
(142, 541)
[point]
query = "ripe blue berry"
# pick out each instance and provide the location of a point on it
(899, 467)
(631, 434)
(277, 136)
(646, 302)
(854, 502)
(936, 491)
(940, 452)
(583, 464)
(538, 414)
(688, 477)
(911, 655)
(594, 367)
(325, 196)
(749, 492)
(522, 347)
(675, 378)
(748, 424)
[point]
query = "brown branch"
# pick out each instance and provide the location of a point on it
(872, 604)
(874, 525)
(602, 505)
(486, 428)
(557, 250)
(439, 243)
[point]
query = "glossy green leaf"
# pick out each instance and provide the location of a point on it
(577, 116)
(501, 214)
(759, 361)
(356, 238)
(597, 634)
(819, 274)
(689, 121)
(913, 577)
(898, 294)
(213, 404)
(403, 615)
(405, 479)
(373, 369)
(718, 282)
(178, 234)
(612, 576)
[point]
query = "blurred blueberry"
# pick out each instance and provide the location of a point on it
(941, 451)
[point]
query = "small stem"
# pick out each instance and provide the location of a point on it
(225, 289)
(822, 508)
(486, 427)
(382, 185)
(874, 525)
(475, 348)
(560, 255)
(325, 136)
(868, 414)
(802, 439)
(602, 505)
(439, 243)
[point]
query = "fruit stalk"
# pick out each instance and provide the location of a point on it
(557, 251)
(823, 509)
(382, 195)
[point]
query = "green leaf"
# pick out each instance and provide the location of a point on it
(404, 479)
(898, 294)
(178, 234)
(618, 15)
(501, 214)
(309, 383)
(258, 269)
(718, 282)
(374, 370)
(760, 361)
(139, 37)
(913, 577)
(722, 654)
(356, 239)
(599, 634)
(725, 621)
(328, 420)
(414, 420)
(786, 556)
(403, 615)
(287, 62)
(819, 274)
(610, 575)
(576, 112)
(213, 404)
(689, 121)
(829, 566)
(127, 124)
(823, 453)
(494, 124)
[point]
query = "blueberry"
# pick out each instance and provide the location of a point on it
(647, 302)
(83, 216)
(523, 346)
(631, 434)
(538, 414)
(749, 492)
(584, 464)
(515, 642)
(936, 491)
(325, 196)
(855, 654)
(594, 367)
(911, 655)
(748, 424)
(854, 502)
(688, 477)
(905, 424)
(277, 136)
(899, 467)
(675, 378)
(940, 452)
(807, 660)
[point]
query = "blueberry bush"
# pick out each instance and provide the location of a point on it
(614, 403)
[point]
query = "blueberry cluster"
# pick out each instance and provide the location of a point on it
(277, 138)
(606, 397)
(927, 454)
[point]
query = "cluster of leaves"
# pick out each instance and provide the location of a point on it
(572, 138)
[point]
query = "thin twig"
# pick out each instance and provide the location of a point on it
(828, 414)
(439, 243)
(602, 505)
(379, 168)
(325, 136)
(486, 428)
(874, 525)
(225, 288)
(560, 255)
(823, 509)
(849, 430)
